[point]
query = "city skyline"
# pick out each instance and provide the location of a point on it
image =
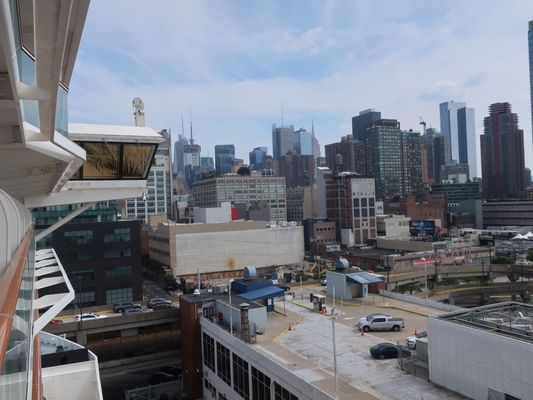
(325, 62)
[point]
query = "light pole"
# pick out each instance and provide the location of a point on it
(230, 309)
(423, 259)
(333, 318)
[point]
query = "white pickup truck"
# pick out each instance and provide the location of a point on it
(381, 323)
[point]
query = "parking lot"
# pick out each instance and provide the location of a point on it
(312, 339)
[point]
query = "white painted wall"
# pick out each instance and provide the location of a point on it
(233, 250)
(213, 215)
(256, 315)
(337, 281)
(469, 361)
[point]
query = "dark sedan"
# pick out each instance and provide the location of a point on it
(387, 350)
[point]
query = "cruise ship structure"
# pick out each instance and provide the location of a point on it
(44, 161)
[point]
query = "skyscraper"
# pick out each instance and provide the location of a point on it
(530, 45)
(391, 156)
(224, 156)
(344, 148)
(303, 142)
(179, 150)
(258, 158)
(458, 123)
(363, 121)
(282, 140)
(502, 153)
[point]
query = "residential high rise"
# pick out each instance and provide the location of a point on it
(502, 153)
(258, 158)
(458, 123)
(282, 140)
(349, 199)
(344, 148)
(363, 121)
(392, 157)
(179, 151)
(224, 156)
(530, 45)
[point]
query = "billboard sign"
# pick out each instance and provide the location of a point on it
(422, 228)
(486, 240)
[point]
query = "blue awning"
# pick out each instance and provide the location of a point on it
(263, 293)
(364, 278)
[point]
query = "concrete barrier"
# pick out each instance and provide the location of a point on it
(419, 301)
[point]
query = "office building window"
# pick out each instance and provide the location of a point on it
(241, 383)
(223, 364)
(85, 299)
(118, 272)
(210, 388)
(80, 256)
(260, 385)
(78, 237)
(118, 235)
(117, 253)
(222, 396)
(209, 352)
(280, 393)
(119, 295)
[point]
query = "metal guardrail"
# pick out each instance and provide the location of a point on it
(168, 391)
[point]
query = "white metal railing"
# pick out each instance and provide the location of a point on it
(46, 264)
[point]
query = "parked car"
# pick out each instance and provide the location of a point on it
(55, 322)
(156, 300)
(160, 377)
(161, 306)
(120, 307)
(381, 323)
(87, 316)
(411, 340)
(132, 310)
(388, 350)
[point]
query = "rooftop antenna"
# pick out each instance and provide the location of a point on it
(423, 123)
(138, 111)
(190, 121)
(182, 126)
(313, 126)
(282, 115)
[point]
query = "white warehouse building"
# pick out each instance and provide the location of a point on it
(484, 352)
(220, 247)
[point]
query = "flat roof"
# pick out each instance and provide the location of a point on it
(510, 319)
(113, 133)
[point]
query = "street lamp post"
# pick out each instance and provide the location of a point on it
(230, 308)
(333, 318)
(423, 259)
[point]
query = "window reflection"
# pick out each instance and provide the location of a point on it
(102, 161)
(136, 160)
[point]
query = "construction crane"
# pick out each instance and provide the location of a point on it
(423, 123)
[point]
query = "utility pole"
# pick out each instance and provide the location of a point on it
(333, 318)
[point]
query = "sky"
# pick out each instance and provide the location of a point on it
(237, 66)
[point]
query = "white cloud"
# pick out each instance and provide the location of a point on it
(180, 52)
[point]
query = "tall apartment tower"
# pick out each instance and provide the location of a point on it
(458, 123)
(282, 140)
(502, 153)
(391, 156)
(530, 45)
(224, 157)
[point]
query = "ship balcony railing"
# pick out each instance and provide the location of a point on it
(49, 272)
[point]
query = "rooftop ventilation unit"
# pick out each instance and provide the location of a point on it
(249, 273)
(342, 264)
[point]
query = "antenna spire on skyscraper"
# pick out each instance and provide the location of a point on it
(190, 121)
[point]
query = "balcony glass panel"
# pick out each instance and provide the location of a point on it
(17, 362)
(62, 111)
(30, 112)
(136, 160)
(102, 161)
